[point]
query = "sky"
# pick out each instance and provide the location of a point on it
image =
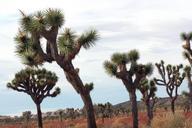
(151, 26)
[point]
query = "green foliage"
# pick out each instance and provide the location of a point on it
(148, 69)
(36, 82)
(66, 42)
(148, 87)
(54, 17)
(42, 20)
(46, 24)
(183, 36)
(89, 86)
(144, 85)
(56, 92)
(143, 69)
(88, 38)
(124, 58)
(110, 68)
(119, 58)
(30, 58)
(133, 55)
(28, 49)
(27, 116)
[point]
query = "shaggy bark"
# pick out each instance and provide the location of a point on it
(134, 109)
(73, 77)
(173, 105)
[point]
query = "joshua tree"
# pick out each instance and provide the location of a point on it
(70, 112)
(26, 117)
(148, 90)
(130, 76)
(61, 114)
(42, 28)
(101, 111)
(171, 78)
(187, 53)
(185, 102)
(38, 84)
(108, 110)
(104, 110)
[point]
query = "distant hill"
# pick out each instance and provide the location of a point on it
(161, 103)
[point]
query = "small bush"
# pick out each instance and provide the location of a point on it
(169, 120)
(120, 123)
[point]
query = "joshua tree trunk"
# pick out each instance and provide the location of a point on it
(39, 116)
(103, 120)
(89, 110)
(173, 106)
(149, 112)
(190, 91)
(73, 77)
(61, 122)
(133, 99)
(190, 87)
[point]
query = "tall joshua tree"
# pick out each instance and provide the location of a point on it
(148, 90)
(38, 84)
(187, 53)
(171, 78)
(124, 66)
(61, 49)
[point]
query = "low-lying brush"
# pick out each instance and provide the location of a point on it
(168, 120)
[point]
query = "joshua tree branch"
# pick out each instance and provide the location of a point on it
(75, 51)
(160, 82)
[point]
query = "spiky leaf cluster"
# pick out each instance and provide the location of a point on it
(133, 55)
(46, 24)
(88, 38)
(66, 42)
(89, 86)
(185, 36)
(54, 17)
(119, 63)
(119, 58)
(27, 49)
(105, 110)
(41, 20)
(143, 69)
(110, 68)
(147, 88)
(38, 83)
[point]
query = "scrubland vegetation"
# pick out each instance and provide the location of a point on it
(62, 48)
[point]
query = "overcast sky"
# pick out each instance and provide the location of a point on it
(151, 26)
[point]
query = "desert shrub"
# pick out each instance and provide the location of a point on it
(188, 123)
(120, 123)
(169, 120)
(81, 125)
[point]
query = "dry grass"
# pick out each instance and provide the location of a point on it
(168, 120)
(161, 120)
